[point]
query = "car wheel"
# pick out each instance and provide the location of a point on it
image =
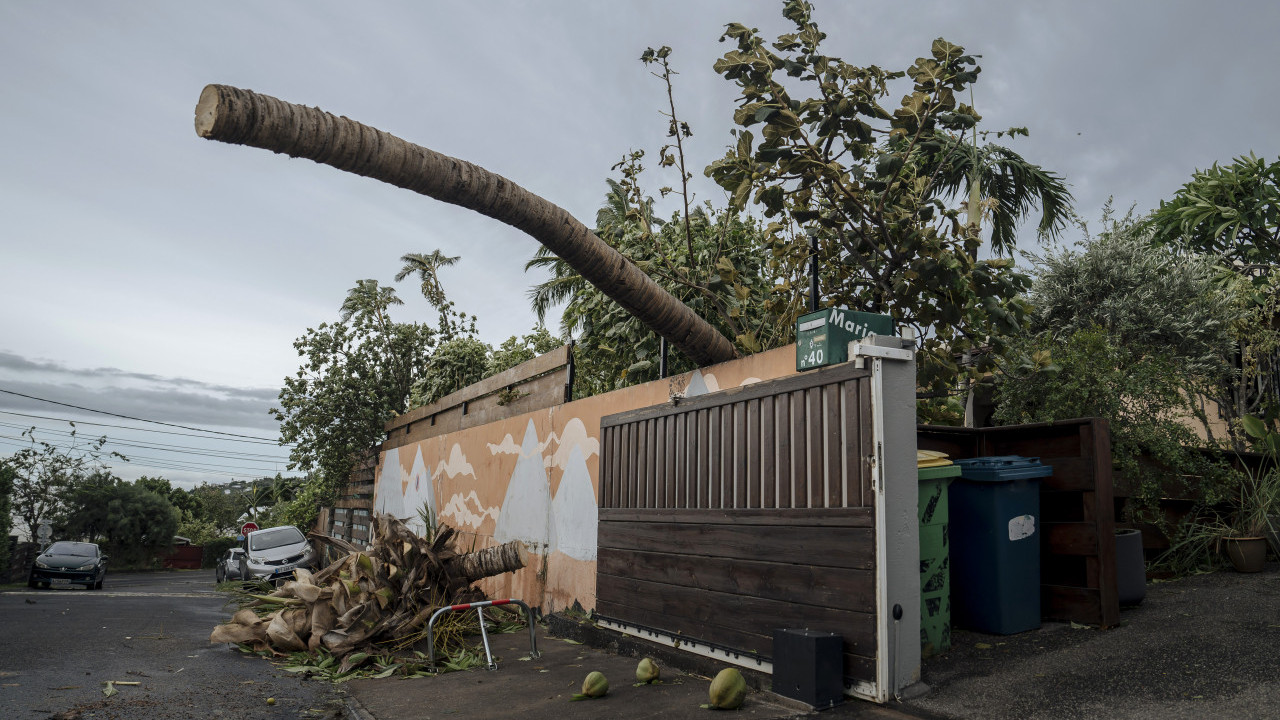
(98, 585)
(44, 584)
(31, 583)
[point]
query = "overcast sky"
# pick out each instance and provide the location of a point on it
(156, 275)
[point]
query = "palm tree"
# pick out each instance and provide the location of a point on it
(1012, 185)
(427, 267)
(615, 220)
(368, 297)
(242, 117)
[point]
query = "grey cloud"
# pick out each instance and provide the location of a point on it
(140, 395)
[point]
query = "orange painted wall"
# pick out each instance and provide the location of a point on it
(535, 478)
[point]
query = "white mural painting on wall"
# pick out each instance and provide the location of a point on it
(468, 512)
(573, 436)
(566, 523)
(390, 491)
(574, 508)
(456, 464)
(700, 384)
(419, 494)
(402, 494)
(526, 509)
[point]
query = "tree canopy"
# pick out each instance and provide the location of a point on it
(356, 375)
(716, 264)
(1228, 211)
(874, 185)
(130, 518)
(466, 360)
(44, 472)
(1144, 296)
(714, 261)
(1231, 213)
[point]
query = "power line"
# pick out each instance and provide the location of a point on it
(159, 465)
(137, 429)
(167, 447)
(129, 417)
(220, 473)
(190, 465)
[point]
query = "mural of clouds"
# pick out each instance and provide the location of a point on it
(573, 437)
(457, 463)
(467, 511)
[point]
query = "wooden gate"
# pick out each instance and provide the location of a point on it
(726, 516)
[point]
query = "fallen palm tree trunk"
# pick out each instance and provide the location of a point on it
(243, 117)
(381, 595)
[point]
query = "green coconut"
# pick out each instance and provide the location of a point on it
(728, 690)
(596, 685)
(647, 671)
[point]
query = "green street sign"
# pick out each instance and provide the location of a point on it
(823, 337)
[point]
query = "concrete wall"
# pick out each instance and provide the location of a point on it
(535, 478)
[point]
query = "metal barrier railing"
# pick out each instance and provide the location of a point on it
(484, 634)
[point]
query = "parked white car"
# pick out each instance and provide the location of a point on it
(228, 567)
(272, 554)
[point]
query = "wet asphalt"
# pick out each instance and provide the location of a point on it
(59, 647)
(1199, 647)
(1206, 646)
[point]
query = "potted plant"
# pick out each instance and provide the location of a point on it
(1267, 486)
(1256, 502)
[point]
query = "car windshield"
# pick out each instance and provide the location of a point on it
(274, 538)
(73, 548)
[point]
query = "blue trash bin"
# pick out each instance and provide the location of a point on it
(995, 544)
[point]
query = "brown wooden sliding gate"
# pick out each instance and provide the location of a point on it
(728, 515)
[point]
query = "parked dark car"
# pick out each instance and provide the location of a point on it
(272, 554)
(228, 567)
(65, 562)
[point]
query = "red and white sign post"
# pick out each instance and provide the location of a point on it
(248, 527)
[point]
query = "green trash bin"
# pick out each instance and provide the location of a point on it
(995, 543)
(935, 560)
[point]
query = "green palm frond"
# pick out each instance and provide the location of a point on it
(427, 266)
(1015, 186)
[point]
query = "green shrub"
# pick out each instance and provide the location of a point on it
(1143, 398)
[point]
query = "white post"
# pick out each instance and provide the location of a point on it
(893, 402)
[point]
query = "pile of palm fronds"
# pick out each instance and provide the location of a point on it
(382, 595)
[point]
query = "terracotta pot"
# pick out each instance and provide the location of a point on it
(1247, 554)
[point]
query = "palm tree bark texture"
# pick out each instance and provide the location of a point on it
(243, 117)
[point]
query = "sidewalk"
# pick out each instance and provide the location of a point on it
(542, 687)
(1205, 646)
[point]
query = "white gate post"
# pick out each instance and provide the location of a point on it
(893, 405)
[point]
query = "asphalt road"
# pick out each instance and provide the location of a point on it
(1200, 647)
(59, 647)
